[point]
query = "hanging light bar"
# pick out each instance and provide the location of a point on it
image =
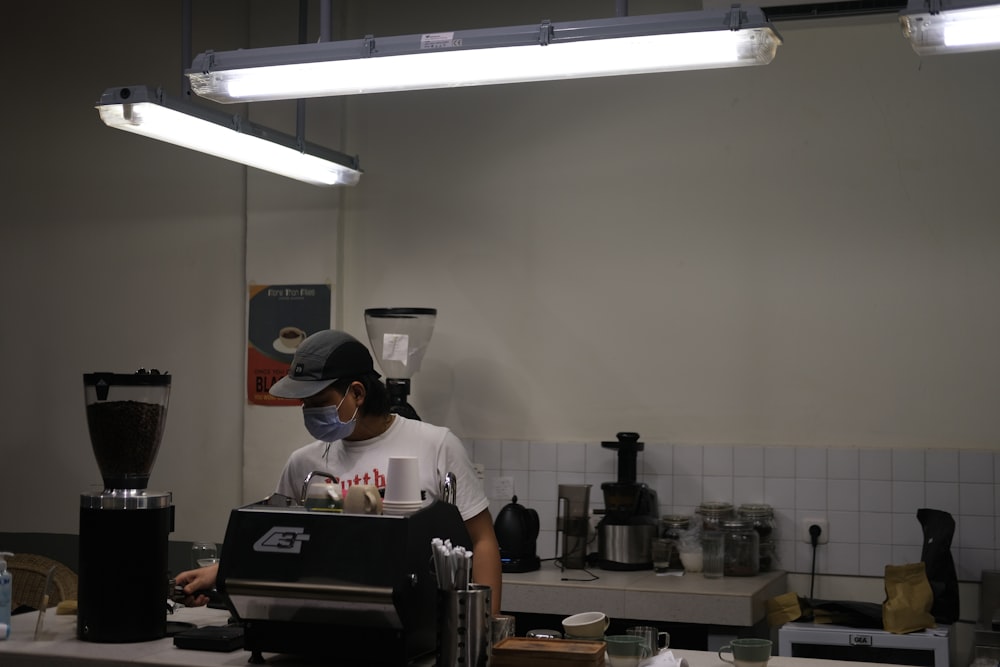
(936, 26)
(579, 49)
(151, 113)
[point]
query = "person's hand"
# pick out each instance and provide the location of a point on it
(196, 582)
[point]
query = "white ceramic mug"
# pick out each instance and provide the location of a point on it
(587, 625)
(364, 499)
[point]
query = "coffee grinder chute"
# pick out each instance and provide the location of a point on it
(631, 512)
(399, 338)
(124, 529)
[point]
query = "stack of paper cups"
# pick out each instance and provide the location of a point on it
(402, 485)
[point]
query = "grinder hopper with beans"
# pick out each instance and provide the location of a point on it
(124, 529)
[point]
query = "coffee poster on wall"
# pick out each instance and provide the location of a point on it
(280, 318)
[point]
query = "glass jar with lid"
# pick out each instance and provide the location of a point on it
(742, 548)
(762, 517)
(674, 525)
(713, 513)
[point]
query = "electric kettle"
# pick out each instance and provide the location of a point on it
(516, 528)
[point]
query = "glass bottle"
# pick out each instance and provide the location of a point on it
(673, 526)
(742, 548)
(713, 513)
(762, 517)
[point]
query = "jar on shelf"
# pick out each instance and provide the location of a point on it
(742, 548)
(673, 526)
(762, 517)
(713, 513)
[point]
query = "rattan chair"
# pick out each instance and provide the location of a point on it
(30, 571)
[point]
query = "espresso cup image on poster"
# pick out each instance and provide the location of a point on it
(289, 339)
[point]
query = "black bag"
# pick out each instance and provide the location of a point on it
(939, 529)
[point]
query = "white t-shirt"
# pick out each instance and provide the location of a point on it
(438, 450)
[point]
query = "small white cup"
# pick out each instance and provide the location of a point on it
(402, 480)
(587, 625)
(363, 499)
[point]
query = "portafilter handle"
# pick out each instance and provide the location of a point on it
(449, 488)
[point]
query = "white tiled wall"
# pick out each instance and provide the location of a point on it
(870, 497)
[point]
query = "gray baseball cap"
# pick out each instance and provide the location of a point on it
(322, 359)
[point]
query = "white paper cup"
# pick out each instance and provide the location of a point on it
(402, 480)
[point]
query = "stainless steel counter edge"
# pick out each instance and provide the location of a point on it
(691, 598)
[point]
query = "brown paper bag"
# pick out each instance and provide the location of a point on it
(783, 609)
(908, 599)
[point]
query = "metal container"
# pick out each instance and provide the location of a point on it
(625, 546)
(464, 627)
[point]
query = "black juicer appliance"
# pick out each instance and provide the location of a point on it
(516, 528)
(399, 338)
(124, 529)
(631, 513)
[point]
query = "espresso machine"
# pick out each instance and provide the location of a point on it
(124, 529)
(631, 512)
(344, 588)
(399, 338)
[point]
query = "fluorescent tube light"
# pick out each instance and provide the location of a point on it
(549, 51)
(935, 27)
(150, 113)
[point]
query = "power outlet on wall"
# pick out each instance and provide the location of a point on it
(824, 528)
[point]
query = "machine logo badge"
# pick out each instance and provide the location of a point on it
(861, 640)
(282, 539)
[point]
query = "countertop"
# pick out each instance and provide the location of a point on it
(689, 598)
(59, 647)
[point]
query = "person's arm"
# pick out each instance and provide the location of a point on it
(486, 555)
(202, 579)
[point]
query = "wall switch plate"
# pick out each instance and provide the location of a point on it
(824, 535)
(480, 470)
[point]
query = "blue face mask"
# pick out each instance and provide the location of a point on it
(324, 423)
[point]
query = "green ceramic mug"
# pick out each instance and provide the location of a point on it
(748, 652)
(626, 650)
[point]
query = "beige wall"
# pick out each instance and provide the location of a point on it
(803, 253)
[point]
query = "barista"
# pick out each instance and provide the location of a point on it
(333, 375)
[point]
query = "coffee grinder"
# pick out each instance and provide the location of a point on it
(631, 513)
(124, 529)
(399, 338)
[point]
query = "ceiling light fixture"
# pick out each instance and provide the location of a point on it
(151, 113)
(943, 26)
(601, 47)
